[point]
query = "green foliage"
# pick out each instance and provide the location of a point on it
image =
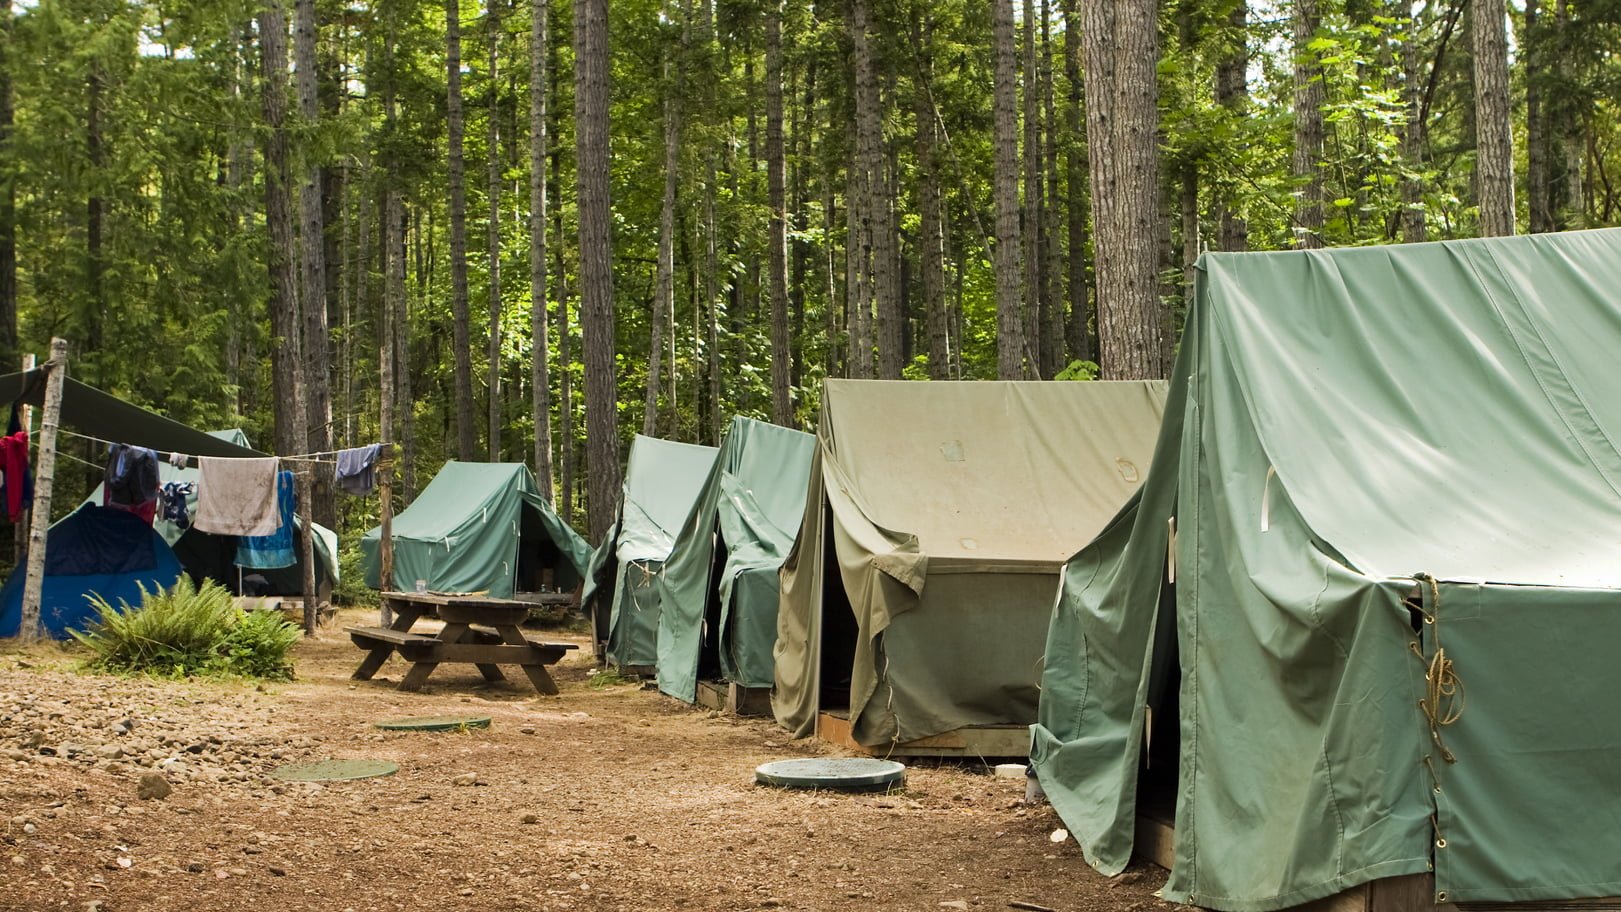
(1078, 370)
(185, 631)
(607, 677)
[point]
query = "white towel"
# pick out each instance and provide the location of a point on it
(237, 496)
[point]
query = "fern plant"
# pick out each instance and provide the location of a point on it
(188, 630)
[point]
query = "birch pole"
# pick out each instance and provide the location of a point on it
(44, 477)
(304, 479)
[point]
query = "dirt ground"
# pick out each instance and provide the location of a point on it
(603, 798)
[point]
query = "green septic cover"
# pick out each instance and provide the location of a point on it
(462, 533)
(662, 481)
(948, 509)
(1341, 423)
(750, 507)
(326, 540)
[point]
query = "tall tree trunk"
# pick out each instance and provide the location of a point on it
(1570, 133)
(95, 207)
(1030, 234)
(1009, 319)
(1075, 164)
(799, 292)
(1494, 145)
(8, 200)
(1232, 93)
(662, 318)
(1308, 151)
(287, 365)
(782, 407)
(565, 348)
(1538, 185)
(1052, 248)
(493, 177)
(1413, 137)
(466, 433)
(405, 403)
(312, 241)
(866, 193)
(596, 266)
(540, 379)
(931, 234)
(1122, 130)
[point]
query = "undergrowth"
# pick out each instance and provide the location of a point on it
(185, 631)
(607, 677)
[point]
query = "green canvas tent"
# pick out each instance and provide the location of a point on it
(207, 556)
(662, 481)
(1385, 474)
(479, 527)
(718, 592)
(917, 595)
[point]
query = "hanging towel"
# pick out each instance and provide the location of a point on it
(237, 496)
(357, 469)
(267, 552)
(19, 482)
(175, 501)
(179, 460)
(16, 478)
(131, 476)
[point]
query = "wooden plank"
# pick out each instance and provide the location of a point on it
(478, 653)
(376, 635)
(748, 701)
(457, 612)
(1156, 840)
(711, 695)
(984, 741)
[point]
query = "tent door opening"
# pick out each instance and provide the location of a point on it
(839, 629)
(1160, 757)
(709, 661)
(542, 566)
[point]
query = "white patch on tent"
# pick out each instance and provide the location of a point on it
(952, 451)
(1266, 498)
(1128, 470)
(969, 544)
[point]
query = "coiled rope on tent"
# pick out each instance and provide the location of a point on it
(1443, 701)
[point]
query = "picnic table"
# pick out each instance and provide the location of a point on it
(478, 630)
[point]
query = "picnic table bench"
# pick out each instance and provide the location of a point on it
(480, 631)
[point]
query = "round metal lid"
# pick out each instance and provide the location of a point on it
(334, 770)
(848, 774)
(435, 723)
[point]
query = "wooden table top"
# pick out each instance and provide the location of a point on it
(452, 598)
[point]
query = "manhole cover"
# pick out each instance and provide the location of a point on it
(334, 770)
(436, 723)
(854, 774)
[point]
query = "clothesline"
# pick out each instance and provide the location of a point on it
(301, 457)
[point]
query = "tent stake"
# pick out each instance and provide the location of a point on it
(40, 521)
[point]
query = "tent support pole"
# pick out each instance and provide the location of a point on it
(385, 536)
(307, 552)
(40, 521)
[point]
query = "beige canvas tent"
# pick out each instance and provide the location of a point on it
(916, 599)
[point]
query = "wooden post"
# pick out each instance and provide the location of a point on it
(19, 536)
(385, 536)
(44, 475)
(307, 555)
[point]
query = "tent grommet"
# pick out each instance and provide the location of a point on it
(1441, 896)
(1441, 843)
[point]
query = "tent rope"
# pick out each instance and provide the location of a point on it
(1443, 701)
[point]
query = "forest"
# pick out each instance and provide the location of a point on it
(525, 231)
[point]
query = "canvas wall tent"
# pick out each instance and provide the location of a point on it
(718, 592)
(93, 551)
(1342, 422)
(918, 591)
(207, 556)
(479, 527)
(662, 481)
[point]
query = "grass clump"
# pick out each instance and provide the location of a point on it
(188, 630)
(607, 677)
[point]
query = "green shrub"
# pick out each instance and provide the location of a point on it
(186, 630)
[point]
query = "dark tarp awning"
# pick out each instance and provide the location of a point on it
(87, 410)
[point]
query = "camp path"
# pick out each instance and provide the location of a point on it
(602, 798)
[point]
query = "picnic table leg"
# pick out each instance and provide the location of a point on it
(492, 673)
(405, 615)
(536, 672)
(373, 661)
(418, 675)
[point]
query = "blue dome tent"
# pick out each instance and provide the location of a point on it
(92, 551)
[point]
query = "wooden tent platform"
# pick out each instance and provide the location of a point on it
(724, 696)
(972, 742)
